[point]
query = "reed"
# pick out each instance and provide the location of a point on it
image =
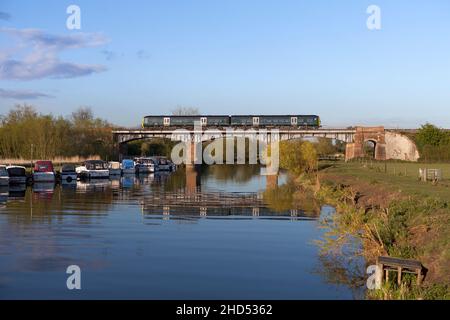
(55, 160)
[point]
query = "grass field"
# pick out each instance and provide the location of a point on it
(396, 175)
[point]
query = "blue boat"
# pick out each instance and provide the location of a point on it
(128, 166)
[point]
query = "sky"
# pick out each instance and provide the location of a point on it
(134, 58)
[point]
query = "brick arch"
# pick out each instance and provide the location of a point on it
(362, 135)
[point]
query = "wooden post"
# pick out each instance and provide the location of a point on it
(399, 276)
(419, 276)
(380, 274)
(387, 275)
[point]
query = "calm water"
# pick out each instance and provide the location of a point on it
(222, 233)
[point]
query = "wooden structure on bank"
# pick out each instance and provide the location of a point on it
(388, 264)
(434, 175)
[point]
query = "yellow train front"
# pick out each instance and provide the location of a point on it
(245, 121)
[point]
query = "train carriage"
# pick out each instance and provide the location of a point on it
(179, 121)
(276, 120)
(297, 121)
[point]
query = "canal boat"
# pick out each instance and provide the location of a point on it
(17, 174)
(128, 167)
(43, 171)
(163, 164)
(145, 165)
(68, 173)
(4, 176)
(4, 192)
(93, 169)
(114, 168)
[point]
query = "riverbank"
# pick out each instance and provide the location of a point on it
(393, 214)
(56, 160)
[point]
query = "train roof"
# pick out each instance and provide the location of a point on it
(235, 115)
(274, 115)
(186, 116)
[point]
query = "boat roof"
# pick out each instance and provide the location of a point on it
(95, 161)
(43, 162)
(11, 167)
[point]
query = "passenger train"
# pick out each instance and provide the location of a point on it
(266, 121)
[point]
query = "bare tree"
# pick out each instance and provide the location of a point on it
(185, 111)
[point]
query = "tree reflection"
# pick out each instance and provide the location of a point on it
(289, 196)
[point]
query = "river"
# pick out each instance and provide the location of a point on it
(222, 232)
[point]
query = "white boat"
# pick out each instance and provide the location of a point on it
(43, 172)
(4, 176)
(114, 168)
(93, 169)
(17, 174)
(145, 165)
(128, 167)
(68, 174)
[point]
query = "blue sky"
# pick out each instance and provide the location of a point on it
(132, 58)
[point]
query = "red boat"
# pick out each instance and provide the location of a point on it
(43, 171)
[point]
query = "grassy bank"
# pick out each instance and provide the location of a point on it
(56, 160)
(394, 214)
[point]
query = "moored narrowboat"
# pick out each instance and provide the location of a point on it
(145, 165)
(114, 168)
(93, 169)
(17, 174)
(4, 176)
(68, 173)
(128, 167)
(164, 164)
(43, 171)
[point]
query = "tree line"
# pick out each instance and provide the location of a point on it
(433, 143)
(27, 134)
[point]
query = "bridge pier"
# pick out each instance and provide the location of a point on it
(271, 181)
(192, 178)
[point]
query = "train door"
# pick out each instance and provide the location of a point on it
(293, 121)
(203, 121)
(256, 121)
(166, 122)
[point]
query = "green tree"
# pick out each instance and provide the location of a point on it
(298, 156)
(185, 111)
(431, 135)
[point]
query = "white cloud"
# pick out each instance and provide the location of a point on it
(22, 94)
(35, 56)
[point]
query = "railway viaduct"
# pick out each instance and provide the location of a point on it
(389, 144)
